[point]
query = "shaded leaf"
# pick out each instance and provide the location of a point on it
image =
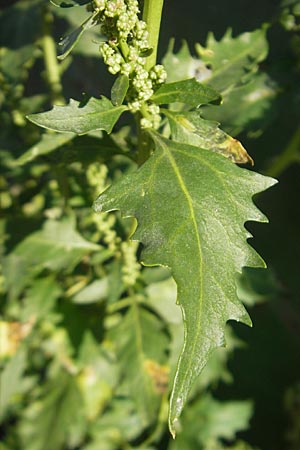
(233, 60)
(68, 42)
(251, 106)
(190, 128)
(182, 65)
(208, 421)
(187, 91)
(69, 3)
(47, 144)
(191, 206)
(80, 118)
(222, 64)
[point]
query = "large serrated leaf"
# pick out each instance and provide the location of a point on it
(190, 128)
(191, 206)
(189, 91)
(233, 59)
(80, 118)
(222, 64)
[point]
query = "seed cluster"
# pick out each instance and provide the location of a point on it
(125, 53)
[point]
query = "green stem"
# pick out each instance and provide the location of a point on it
(144, 144)
(123, 303)
(288, 156)
(50, 60)
(152, 16)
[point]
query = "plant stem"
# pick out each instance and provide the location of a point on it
(50, 60)
(144, 147)
(290, 155)
(152, 16)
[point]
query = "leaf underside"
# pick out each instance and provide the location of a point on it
(191, 206)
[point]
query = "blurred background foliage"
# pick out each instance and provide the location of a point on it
(88, 339)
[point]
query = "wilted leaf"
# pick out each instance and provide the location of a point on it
(191, 206)
(190, 128)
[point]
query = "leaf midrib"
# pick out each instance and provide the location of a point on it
(193, 217)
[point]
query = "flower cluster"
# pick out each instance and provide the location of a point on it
(131, 268)
(104, 223)
(125, 53)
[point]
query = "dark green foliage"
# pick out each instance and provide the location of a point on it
(89, 338)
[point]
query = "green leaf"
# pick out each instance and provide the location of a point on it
(68, 42)
(222, 64)
(40, 299)
(94, 292)
(69, 3)
(233, 60)
(141, 345)
(54, 421)
(80, 118)
(191, 206)
(11, 380)
(119, 90)
(57, 247)
(190, 128)
(219, 420)
(187, 91)
(182, 65)
(47, 144)
(251, 106)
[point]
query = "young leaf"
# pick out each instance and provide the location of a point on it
(191, 206)
(119, 90)
(69, 3)
(68, 42)
(189, 91)
(80, 118)
(190, 128)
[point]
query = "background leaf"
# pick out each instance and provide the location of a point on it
(141, 349)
